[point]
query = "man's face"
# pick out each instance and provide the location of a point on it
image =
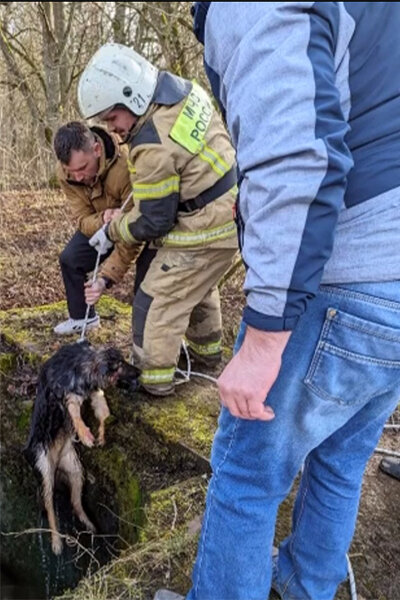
(119, 120)
(84, 164)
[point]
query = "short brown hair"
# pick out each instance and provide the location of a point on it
(74, 135)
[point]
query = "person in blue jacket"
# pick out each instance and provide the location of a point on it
(310, 92)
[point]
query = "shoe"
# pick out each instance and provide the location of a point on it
(159, 389)
(71, 326)
(390, 466)
(167, 595)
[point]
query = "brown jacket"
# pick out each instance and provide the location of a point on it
(110, 190)
(179, 150)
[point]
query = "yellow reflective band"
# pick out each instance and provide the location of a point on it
(157, 375)
(159, 189)
(124, 230)
(192, 123)
(214, 160)
(182, 238)
(131, 168)
(205, 349)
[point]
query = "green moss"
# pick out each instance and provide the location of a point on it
(108, 303)
(169, 510)
(31, 329)
(29, 312)
(189, 419)
(112, 462)
(8, 361)
(25, 416)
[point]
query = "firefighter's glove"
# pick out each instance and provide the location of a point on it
(100, 240)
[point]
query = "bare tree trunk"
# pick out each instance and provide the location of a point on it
(173, 36)
(17, 80)
(51, 68)
(59, 29)
(118, 24)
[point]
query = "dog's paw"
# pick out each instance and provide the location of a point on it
(101, 440)
(56, 544)
(88, 523)
(86, 437)
(91, 527)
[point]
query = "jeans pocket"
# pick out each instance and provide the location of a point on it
(355, 359)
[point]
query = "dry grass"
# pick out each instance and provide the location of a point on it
(35, 227)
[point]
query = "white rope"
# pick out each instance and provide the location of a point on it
(388, 452)
(186, 375)
(204, 376)
(96, 267)
(352, 580)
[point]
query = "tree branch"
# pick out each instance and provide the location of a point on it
(18, 76)
(23, 54)
(44, 12)
(67, 32)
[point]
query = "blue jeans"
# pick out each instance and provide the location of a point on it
(338, 384)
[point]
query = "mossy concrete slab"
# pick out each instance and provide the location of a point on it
(187, 418)
(32, 328)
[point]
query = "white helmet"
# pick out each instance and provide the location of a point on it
(116, 74)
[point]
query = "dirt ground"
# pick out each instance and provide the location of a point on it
(375, 551)
(35, 227)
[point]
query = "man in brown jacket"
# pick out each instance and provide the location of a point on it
(183, 175)
(93, 173)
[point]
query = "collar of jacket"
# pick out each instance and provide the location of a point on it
(170, 90)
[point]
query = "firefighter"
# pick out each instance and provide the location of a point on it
(183, 176)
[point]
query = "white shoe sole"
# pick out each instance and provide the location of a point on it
(78, 329)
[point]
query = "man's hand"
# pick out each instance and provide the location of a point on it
(93, 291)
(246, 380)
(100, 241)
(111, 213)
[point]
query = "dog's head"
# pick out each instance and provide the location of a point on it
(116, 370)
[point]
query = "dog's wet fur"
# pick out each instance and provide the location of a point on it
(76, 372)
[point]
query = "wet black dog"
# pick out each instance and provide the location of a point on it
(76, 372)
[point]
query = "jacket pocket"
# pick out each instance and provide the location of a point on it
(355, 359)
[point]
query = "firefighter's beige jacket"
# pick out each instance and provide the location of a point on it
(179, 150)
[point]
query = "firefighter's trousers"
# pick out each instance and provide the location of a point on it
(178, 298)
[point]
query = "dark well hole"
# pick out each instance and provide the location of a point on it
(118, 478)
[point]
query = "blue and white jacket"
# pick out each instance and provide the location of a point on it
(311, 95)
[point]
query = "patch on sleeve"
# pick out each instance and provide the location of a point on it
(192, 123)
